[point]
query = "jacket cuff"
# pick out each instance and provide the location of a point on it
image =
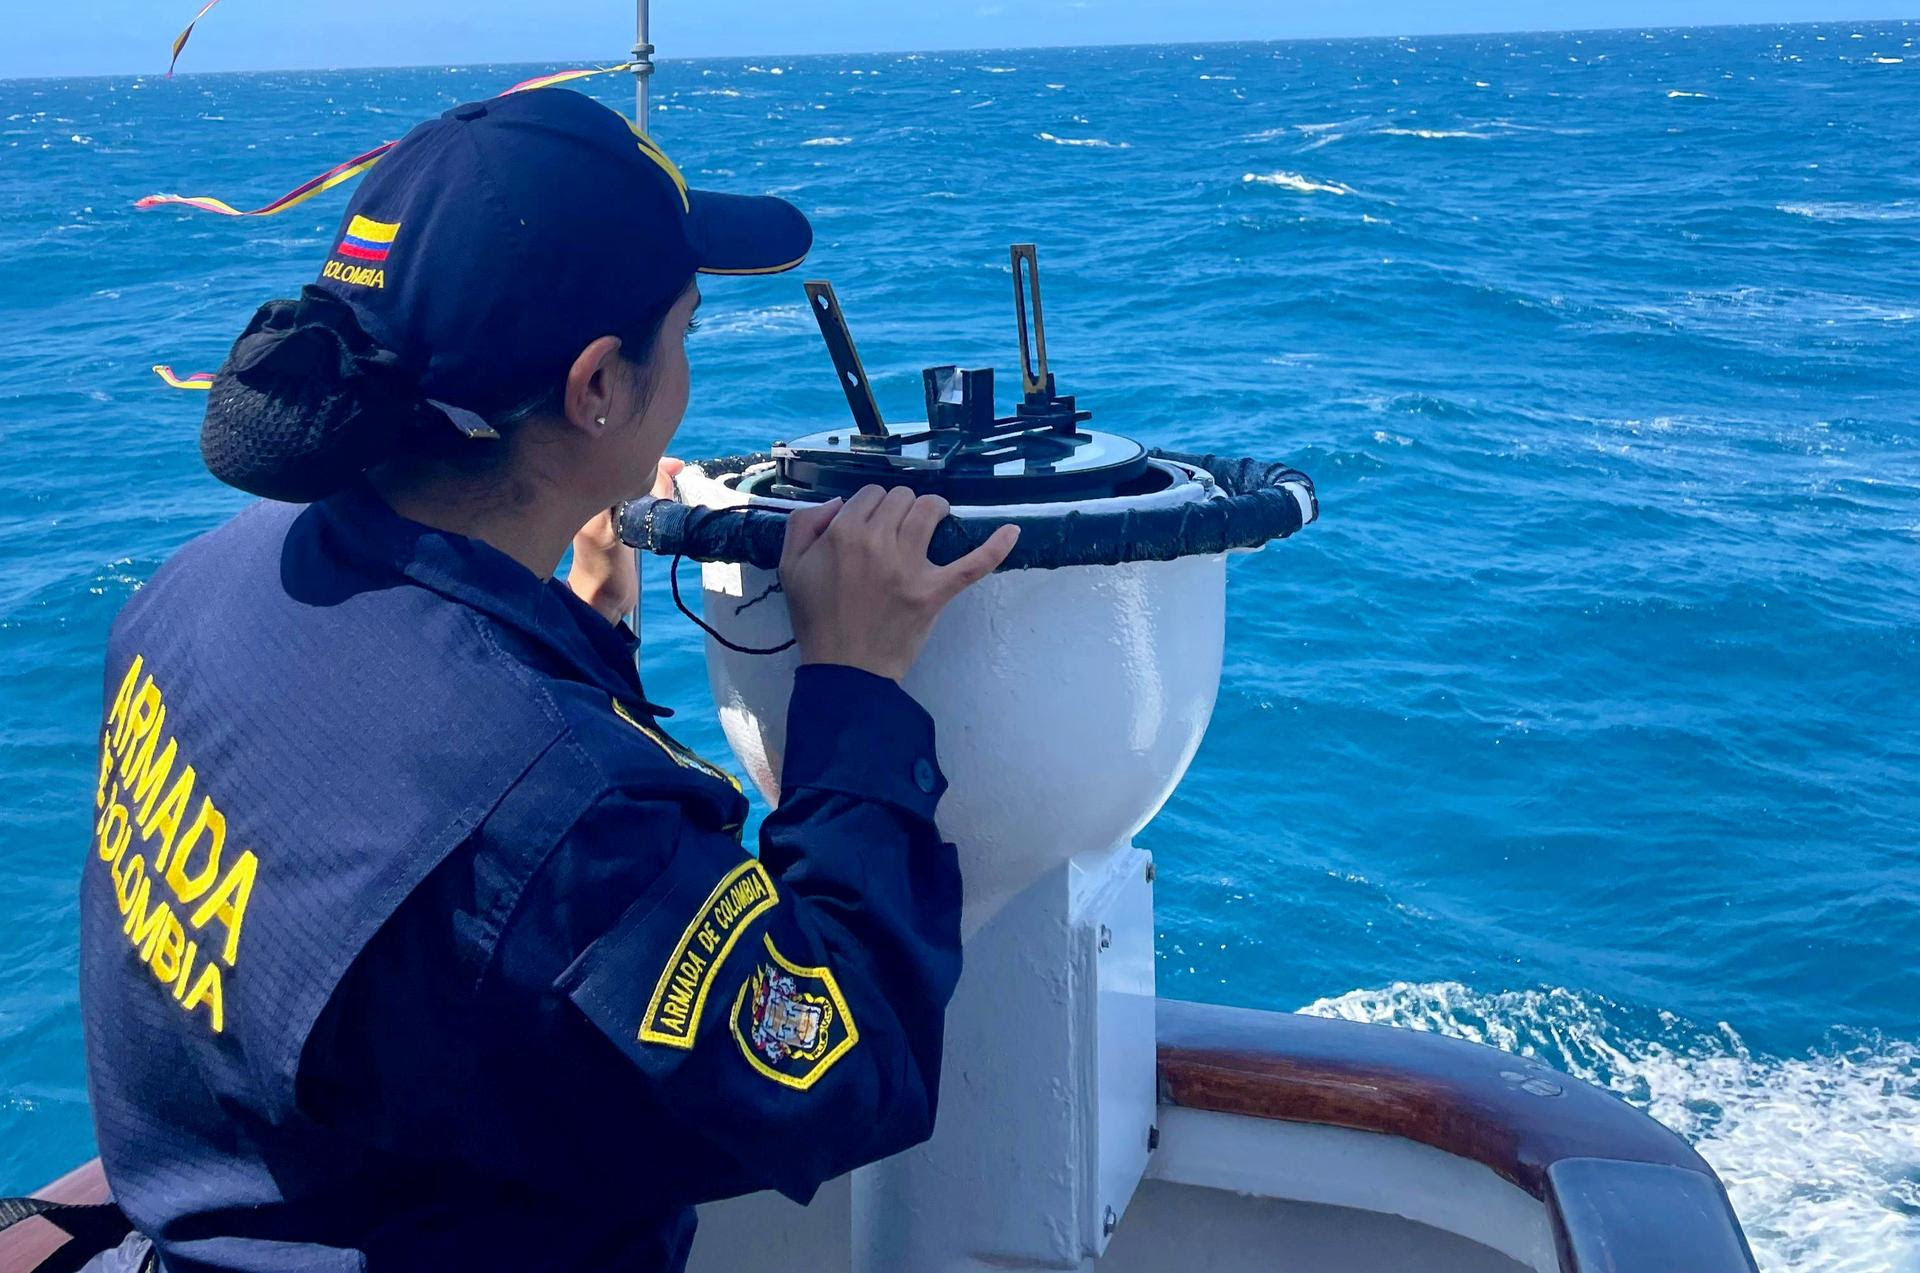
(861, 735)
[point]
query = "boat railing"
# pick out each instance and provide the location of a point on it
(1623, 1192)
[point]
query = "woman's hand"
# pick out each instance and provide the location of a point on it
(859, 586)
(605, 573)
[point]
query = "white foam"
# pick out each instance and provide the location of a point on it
(1820, 1152)
(826, 141)
(1672, 93)
(765, 319)
(1887, 61)
(1431, 134)
(1900, 210)
(1294, 181)
(1085, 141)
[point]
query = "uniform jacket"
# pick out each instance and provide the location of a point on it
(410, 939)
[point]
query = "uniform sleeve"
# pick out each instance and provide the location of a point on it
(788, 1010)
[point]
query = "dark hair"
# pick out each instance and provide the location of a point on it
(307, 401)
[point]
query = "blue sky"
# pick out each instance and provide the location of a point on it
(77, 37)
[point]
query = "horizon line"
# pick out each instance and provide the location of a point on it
(1002, 48)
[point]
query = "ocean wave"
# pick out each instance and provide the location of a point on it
(1901, 210)
(1673, 93)
(1085, 141)
(1430, 134)
(826, 141)
(769, 318)
(1294, 181)
(1820, 1152)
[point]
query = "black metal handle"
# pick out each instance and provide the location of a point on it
(1033, 360)
(846, 359)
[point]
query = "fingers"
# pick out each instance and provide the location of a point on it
(860, 508)
(890, 512)
(805, 527)
(917, 527)
(979, 563)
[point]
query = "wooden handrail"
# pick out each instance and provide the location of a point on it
(1624, 1193)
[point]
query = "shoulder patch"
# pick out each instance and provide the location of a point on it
(792, 1023)
(680, 996)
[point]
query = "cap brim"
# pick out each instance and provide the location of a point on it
(746, 234)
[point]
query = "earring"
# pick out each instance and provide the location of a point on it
(600, 420)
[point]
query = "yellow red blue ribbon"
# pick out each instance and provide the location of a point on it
(351, 168)
(199, 380)
(180, 41)
(298, 195)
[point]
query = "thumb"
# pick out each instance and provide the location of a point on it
(663, 475)
(805, 527)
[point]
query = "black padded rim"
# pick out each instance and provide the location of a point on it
(1258, 504)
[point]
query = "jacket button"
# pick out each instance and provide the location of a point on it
(923, 775)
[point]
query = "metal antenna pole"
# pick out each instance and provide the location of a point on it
(642, 64)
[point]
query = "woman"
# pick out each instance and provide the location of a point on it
(409, 939)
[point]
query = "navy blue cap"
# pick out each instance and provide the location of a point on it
(493, 244)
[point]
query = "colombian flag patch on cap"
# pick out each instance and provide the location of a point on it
(368, 241)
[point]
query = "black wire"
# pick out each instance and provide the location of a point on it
(673, 578)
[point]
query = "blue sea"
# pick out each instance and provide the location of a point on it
(1587, 721)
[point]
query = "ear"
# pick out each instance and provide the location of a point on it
(591, 383)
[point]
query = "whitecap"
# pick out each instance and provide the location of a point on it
(1096, 142)
(1430, 134)
(826, 141)
(1903, 210)
(768, 318)
(1818, 1150)
(1294, 181)
(997, 70)
(1056, 87)
(1674, 92)
(1887, 61)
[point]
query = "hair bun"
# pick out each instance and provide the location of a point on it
(306, 402)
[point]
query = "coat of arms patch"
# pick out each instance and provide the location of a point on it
(791, 1022)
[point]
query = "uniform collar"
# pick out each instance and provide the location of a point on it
(479, 576)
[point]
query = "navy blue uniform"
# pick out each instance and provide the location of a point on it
(411, 940)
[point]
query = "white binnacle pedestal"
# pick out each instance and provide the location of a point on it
(1047, 1095)
(1067, 705)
